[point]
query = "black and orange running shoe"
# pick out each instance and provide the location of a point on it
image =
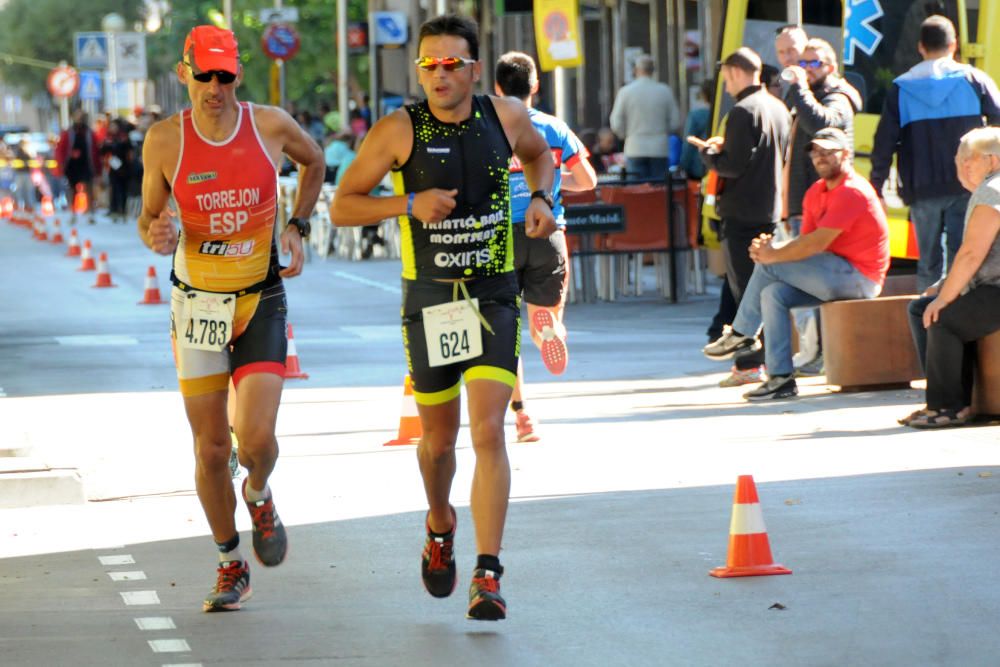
(270, 543)
(438, 565)
(485, 602)
(232, 587)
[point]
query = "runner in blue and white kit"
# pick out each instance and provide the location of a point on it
(542, 264)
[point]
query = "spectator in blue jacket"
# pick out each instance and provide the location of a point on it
(926, 112)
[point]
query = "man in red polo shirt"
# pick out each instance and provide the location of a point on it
(842, 253)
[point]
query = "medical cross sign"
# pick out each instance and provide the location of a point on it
(858, 31)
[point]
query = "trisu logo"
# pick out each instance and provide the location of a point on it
(227, 248)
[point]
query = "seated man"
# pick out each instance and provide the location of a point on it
(842, 253)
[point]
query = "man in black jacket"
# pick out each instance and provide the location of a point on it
(749, 158)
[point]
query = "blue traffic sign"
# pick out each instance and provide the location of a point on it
(91, 50)
(91, 87)
(390, 28)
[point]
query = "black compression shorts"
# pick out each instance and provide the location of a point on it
(499, 305)
(541, 267)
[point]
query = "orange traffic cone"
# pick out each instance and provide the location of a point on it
(151, 295)
(749, 549)
(103, 275)
(41, 230)
(7, 209)
(48, 210)
(57, 236)
(87, 259)
(292, 368)
(74, 244)
(80, 204)
(410, 430)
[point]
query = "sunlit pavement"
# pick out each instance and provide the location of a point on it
(619, 511)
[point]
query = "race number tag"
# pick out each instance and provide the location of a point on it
(206, 320)
(453, 332)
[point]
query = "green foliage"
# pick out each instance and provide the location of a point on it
(43, 29)
(310, 77)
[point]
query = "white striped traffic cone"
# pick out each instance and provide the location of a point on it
(86, 258)
(74, 244)
(292, 369)
(151, 293)
(103, 274)
(749, 548)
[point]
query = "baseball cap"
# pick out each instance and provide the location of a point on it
(211, 48)
(830, 138)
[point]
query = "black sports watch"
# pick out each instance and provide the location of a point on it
(302, 225)
(545, 197)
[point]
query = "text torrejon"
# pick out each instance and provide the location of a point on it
(230, 199)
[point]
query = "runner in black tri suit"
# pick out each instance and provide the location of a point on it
(450, 158)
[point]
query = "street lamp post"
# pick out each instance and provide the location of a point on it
(111, 24)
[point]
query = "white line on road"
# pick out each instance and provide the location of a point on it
(135, 575)
(169, 645)
(96, 340)
(394, 289)
(155, 623)
(140, 597)
(125, 559)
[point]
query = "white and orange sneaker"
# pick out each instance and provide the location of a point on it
(555, 354)
(525, 428)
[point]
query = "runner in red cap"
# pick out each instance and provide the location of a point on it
(219, 160)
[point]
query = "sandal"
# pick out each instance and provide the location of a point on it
(916, 414)
(945, 418)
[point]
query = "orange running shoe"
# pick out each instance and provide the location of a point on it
(525, 427)
(555, 355)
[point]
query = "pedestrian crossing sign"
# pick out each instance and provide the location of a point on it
(90, 86)
(91, 50)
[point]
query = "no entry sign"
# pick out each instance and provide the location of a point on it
(63, 81)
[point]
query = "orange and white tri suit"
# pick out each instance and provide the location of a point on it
(226, 194)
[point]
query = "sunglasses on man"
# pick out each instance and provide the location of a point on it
(224, 77)
(429, 64)
(813, 64)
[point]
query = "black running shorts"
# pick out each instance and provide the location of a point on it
(499, 305)
(541, 266)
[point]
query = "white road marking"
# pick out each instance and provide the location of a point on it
(125, 559)
(97, 340)
(140, 597)
(155, 623)
(169, 645)
(393, 289)
(135, 575)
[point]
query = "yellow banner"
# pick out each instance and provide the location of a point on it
(557, 34)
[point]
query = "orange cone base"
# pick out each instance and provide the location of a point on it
(74, 251)
(291, 374)
(749, 571)
(103, 282)
(151, 301)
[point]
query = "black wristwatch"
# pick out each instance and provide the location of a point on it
(302, 225)
(544, 196)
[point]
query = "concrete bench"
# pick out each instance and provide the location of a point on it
(986, 388)
(867, 342)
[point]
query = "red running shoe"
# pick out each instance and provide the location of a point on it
(485, 602)
(555, 355)
(437, 567)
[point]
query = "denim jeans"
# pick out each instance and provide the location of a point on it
(775, 289)
(646, 168)
(930, 218)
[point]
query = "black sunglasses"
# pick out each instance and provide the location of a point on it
(205, 77)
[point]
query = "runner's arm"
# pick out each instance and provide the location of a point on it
(352, 203)
(536, 159)
(581, 176)
(306, 153)
(155, 228)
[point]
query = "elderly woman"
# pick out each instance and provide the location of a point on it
(966, 305)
